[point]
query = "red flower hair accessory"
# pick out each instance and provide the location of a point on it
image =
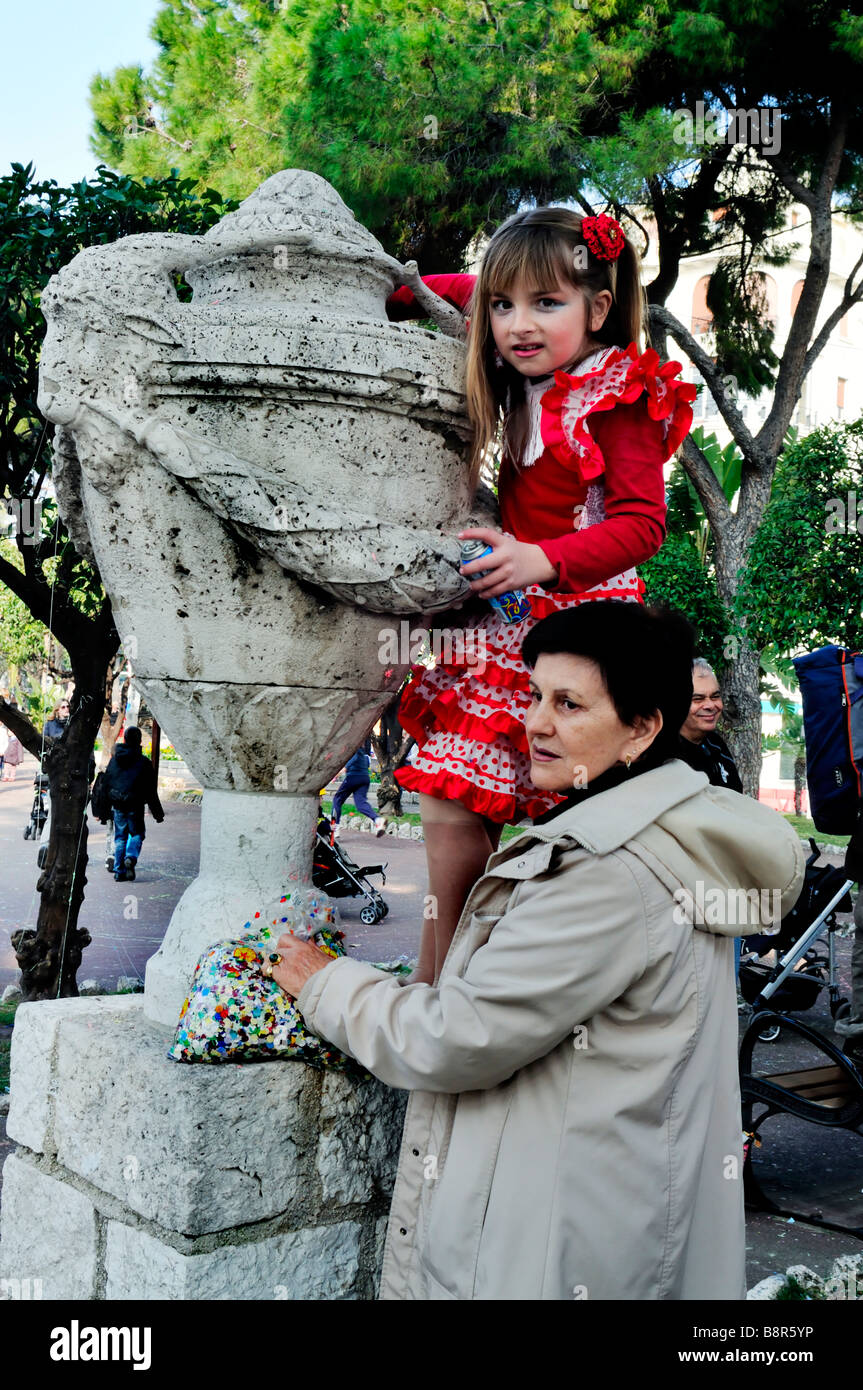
(603, 236)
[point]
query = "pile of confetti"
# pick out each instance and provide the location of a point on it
(235, 1013)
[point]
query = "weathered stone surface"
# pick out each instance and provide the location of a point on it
(193, 1147)
(296, 469)
(845, 1280)
(765, 1290)
(130, 982)
(253, 849)
(34, 1045)
(302, 462)
(48, 1236)
(361, 1128)
(311, 1264)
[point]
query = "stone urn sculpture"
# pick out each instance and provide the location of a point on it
(267, 476)
(270, 477)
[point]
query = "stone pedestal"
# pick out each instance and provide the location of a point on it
(296, 466)
(254, 848)
(142, 1178)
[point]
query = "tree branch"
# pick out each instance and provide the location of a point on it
(788, 180)
(706, 366)
(27, 590)
(27, 733)
(792, 368)
(831, 321)
(706, 484)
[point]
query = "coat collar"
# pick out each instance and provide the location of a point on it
(602, 823)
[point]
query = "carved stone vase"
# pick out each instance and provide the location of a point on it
(267, 476)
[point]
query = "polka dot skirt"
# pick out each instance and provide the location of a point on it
(468, 714)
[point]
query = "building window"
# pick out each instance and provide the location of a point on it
(843, 327)
(702, 319)
(796, 291)
(840, 397)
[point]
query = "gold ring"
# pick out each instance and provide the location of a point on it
(268, 971)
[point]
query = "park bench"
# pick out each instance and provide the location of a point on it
(830, 1094)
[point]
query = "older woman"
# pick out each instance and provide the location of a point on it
(574, 1127)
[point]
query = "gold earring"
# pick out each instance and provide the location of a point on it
(628, 760)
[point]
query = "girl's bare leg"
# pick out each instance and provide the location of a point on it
(458, 844)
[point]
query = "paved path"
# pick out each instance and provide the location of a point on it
(122, 943)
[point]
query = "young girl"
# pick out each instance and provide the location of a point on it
(588, 422)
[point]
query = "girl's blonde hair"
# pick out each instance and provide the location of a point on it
(537, 248)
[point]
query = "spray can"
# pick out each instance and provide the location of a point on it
(513, 607)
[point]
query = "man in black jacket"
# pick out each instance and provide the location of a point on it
(130, 783)
(700, 745)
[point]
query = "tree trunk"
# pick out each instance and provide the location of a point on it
(742, 715)
(799, 775)
(112, 718)
(50, 956)
(391, 747)
(741, 677)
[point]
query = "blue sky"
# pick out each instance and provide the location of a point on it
(49, 50)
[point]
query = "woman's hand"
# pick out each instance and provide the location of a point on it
(300, 961)
(512, 564)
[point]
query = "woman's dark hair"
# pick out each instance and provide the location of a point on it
(132, 736)
(644, 656)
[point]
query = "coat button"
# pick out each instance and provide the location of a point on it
(415, 1152)
(403, 1230)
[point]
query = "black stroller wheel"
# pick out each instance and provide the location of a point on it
(27, 832)
(369, 915)
(770, 1033)
(385, 907)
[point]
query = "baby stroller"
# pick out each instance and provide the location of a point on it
(39, 808)
(335, 873)
(784, 987)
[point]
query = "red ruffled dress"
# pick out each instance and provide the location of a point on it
(590, 491)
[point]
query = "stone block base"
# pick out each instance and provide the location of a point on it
(143, 1178)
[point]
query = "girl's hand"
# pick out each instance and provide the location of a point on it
(512, 564)
(300, 961)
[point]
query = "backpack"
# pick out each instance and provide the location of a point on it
(831, 684)
(100, 803)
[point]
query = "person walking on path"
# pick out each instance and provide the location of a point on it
(12, 755)
(356, 784)
(131, 785)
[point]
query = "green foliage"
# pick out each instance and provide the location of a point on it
(685, 511)
(793, 1290)
(805, 828)
(790, 737)
(420, 116)
(436, 122)
(42, 226)
(743, 333)
(22, 638)
(678, 576)
(803, 585)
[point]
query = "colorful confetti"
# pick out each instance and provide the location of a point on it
(234, 1013)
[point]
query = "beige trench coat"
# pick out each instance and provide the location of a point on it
(574, 1129)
